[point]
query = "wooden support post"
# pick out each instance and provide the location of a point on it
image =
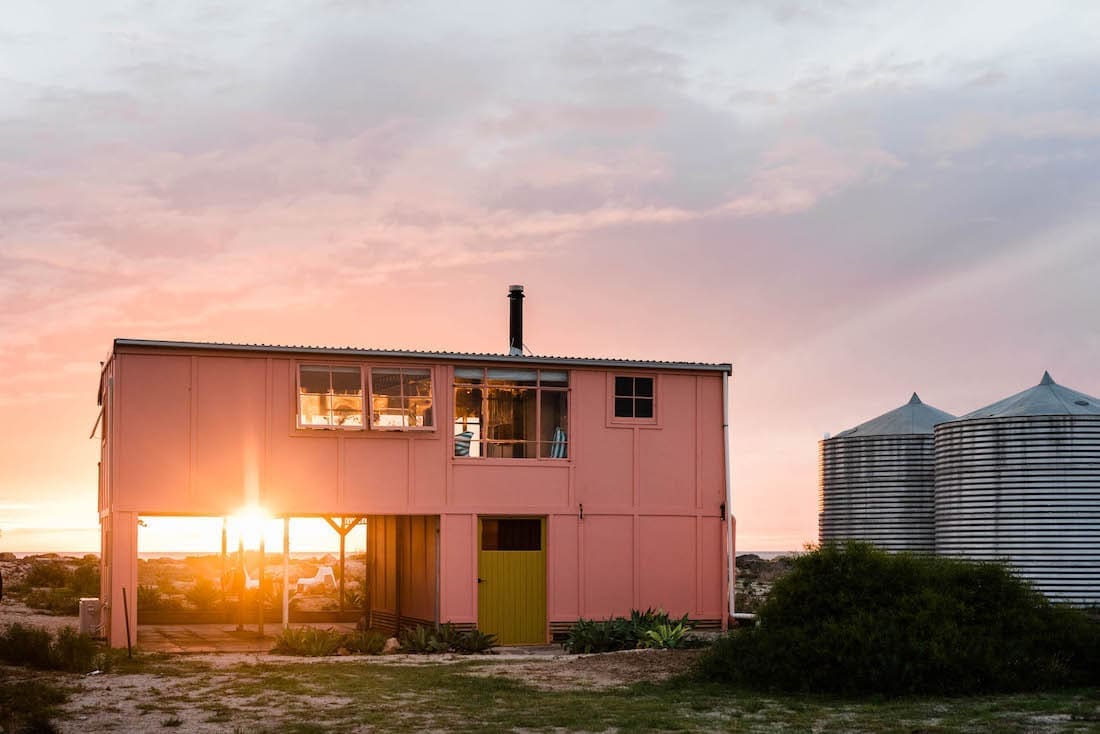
(260, 588)
(242, 584)
(225, 561)
(286, 572)
(345, 526)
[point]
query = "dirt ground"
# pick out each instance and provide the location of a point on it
(592, 672)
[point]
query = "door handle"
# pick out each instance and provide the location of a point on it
(480, 580)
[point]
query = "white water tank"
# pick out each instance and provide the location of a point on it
(1019, 481)
(876, 480)
(89, 616)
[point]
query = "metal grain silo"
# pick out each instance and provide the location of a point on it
(876, 480)
(1019, 481)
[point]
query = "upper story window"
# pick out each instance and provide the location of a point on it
(634, 397)
(511, 413)
(330, 396)
(400, 398)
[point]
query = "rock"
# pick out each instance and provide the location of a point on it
(392, 647)
(7, 557)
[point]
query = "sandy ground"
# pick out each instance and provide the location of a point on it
(144, 702)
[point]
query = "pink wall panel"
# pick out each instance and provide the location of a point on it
(430, 473)
(608, 565)
(153, 442)
(712, 564)
(712, 473)
(301, 474)
(562, 559)
(666, 465)
(376, 474)
(501, 487)
(458, 600)
(604, 456)
(229, 433)
(605, 467)
(666, 562)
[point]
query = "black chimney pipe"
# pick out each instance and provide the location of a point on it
(515, 320)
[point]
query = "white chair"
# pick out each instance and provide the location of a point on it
(323, 579)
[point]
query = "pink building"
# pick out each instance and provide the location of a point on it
(516, 493)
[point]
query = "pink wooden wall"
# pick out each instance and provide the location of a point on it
(207, 432)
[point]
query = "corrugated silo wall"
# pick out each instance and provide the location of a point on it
(1027, 491)
(877, 489)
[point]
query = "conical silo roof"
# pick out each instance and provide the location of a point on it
(912, 418)
(1046, 398)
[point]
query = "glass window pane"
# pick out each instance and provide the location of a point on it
(553, 431)
(385, 382)
(624, 386)
(417, 383)
(512, 534)
(643, 408)
(469, 375)
(511, 414)
(313, 410)
(643, 387)
(346, 417)
(519, 378)
(554, 379)
(313, 379)
(624, 407)
(347, 381)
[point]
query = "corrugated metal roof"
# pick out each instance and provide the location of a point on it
(439, 356)
(1046, 398)
(912, 418)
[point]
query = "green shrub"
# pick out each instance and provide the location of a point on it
(622, 633)
(75, 652)
(37, 647)
(22, 644)
(84, 580)
(474, 642)
(204, 595)
(28, 705)
(421, 639)
(308, 641)
(852, 619)
(370, 642)
(47, 574)
(61, 601)
(150, 599)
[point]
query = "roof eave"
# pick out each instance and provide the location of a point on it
(725, 368)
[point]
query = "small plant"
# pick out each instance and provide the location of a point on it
(370, 642)
(150, 599)
(622, 633)
(474, 642)
(421, 639)
(172, 722)
(308, 642)
(36, 647)
(204, 595)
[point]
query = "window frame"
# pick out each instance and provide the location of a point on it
(538, 389)
(619, 421)
(309, 427)
(370, 397)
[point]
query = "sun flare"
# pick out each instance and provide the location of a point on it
(250, 524)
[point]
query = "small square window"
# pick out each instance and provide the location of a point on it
(634, 397)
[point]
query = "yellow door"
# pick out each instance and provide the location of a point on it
(511, 570)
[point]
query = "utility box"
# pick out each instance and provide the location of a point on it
(89, 616)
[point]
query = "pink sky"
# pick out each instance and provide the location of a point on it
(848, 204)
